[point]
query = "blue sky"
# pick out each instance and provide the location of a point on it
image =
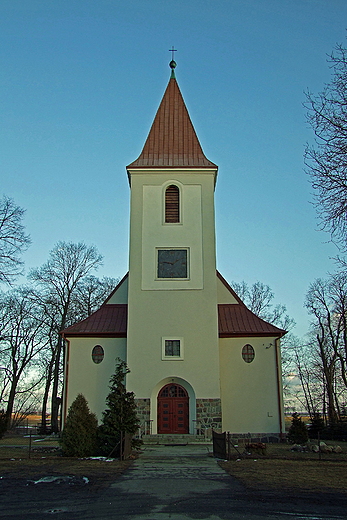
(81, 81)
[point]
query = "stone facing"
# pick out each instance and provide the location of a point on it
(143, 414)
(208, 414)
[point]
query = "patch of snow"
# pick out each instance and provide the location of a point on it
(105, 459)
(61, 479)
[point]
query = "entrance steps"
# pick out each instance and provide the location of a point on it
(175, 439)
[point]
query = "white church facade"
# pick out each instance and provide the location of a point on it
(198, 358)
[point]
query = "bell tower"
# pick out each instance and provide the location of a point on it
(172, 294)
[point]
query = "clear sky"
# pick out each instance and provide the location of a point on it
(81, 81)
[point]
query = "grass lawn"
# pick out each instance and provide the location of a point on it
(283, 470)
(44, 459)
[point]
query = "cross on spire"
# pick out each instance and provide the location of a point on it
(172, 50)
(172, 63)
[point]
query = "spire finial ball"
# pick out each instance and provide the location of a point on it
(172, 64)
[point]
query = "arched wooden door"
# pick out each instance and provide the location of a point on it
(173, 409)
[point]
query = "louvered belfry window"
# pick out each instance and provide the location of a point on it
(172, 204)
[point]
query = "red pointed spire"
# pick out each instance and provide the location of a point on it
(172, 141)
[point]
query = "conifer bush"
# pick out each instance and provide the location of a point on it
(297, 433)
(79, 435)
(120, 416)
(317, 426)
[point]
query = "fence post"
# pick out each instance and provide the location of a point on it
(228, 441)
(30, 444)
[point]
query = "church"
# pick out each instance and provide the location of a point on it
(198, 357)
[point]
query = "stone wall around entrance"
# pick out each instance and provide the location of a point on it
(208, 415)
(143, 414)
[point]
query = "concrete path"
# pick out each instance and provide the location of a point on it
(186, 483)
(171, 482)
(173, 477)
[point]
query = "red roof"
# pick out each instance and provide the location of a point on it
(110, 320)
(234, 320)
(172, 141)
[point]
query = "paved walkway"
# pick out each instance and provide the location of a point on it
(186, 483)
(171, 482)
(173, 477)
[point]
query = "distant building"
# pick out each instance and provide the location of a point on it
(198, 357)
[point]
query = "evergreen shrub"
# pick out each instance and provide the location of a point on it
(120, 416)
(297, 433)
(316, 427)
(335, 432)
(79, 435)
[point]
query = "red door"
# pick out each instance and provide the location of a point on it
(173, 410)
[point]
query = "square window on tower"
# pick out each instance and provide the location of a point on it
(172, 349)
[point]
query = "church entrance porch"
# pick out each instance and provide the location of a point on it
(173, 410)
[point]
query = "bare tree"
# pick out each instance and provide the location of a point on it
(57, 282)
(90, 292)
(326, 161)
(326, 300)
(13, 240)
(258, 297)
(21, 343)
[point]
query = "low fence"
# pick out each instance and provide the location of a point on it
(227, 444)
(219, 445)
(223, 445)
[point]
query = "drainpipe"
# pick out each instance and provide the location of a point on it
(66, 374)
(279, 387)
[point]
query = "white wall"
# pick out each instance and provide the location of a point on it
(249, 391)
(87, 377)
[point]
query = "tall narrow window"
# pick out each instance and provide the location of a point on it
(172, 204)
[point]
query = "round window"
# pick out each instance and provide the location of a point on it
(248, 353)
(98, 354)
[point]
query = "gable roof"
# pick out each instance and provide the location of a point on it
(234, 320)
(108, 321)
(172, 141)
